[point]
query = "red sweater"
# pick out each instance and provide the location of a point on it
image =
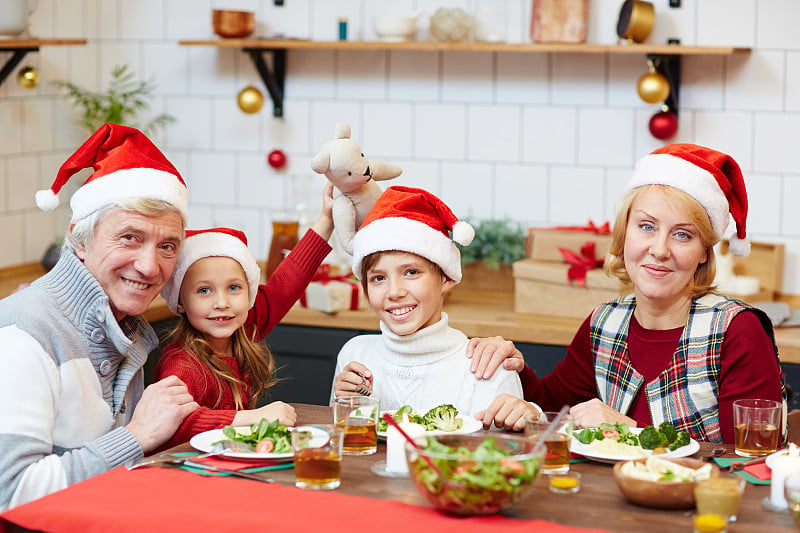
(749, 369)
(273, 301)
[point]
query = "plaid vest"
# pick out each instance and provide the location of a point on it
(686, 392)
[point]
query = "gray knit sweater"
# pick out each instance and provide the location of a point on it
(70, 377)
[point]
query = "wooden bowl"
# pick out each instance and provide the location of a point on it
(660, 494)
(232, 24)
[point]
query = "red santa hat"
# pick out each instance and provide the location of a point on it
(413, 220)
(214, 242)
(712, 178)
(126, 165)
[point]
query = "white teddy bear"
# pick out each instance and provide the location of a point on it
(353, 176)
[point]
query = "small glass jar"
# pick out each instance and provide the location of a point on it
(565, 483)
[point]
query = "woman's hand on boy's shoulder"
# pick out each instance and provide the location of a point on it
(354, 380)
(489, 353)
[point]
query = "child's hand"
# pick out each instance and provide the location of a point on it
(488, 354)
(355, 380)
(324, 224)
(507, 412)
(280, 411)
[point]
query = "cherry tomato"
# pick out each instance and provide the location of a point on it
(265, 446)
(610, 434)
(512, 465)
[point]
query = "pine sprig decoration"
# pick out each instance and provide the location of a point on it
(122, 103)
(496, 242)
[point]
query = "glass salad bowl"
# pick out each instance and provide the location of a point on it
(474, 474)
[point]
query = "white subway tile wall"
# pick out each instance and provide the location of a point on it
(543, 139)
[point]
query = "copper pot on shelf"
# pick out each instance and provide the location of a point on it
(233, 24)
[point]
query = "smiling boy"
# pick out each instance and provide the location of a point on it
(407, 262)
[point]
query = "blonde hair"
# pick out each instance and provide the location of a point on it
(703, 279)
(254, 359)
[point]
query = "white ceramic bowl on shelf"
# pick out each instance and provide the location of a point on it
(395, 28)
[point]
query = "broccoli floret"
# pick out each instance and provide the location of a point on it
(669, 431)
(682, 439)
(650, 438)
(443, 417)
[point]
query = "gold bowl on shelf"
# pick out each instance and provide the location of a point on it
(233, 24)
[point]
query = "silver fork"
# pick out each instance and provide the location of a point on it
(219, 449)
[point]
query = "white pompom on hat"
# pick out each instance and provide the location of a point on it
(712, 178)
(413, 220)
(214, 242)
(126, 165)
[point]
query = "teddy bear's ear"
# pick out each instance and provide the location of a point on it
(382, 171)
(341, 131)
(321, 162)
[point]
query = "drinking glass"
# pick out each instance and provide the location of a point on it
(357, 416)
(756, 427)
(720, 495)
(317, 457)
(792, 495)
(556, 460)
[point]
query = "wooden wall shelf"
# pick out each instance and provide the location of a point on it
(19, 48)
(666, 55)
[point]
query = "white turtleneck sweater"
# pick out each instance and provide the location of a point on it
(425, 369)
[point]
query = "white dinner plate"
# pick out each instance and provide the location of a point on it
(470, 425)
(205, 441)
(587, 451)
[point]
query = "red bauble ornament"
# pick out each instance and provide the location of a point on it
(276, 159)
(664, 125)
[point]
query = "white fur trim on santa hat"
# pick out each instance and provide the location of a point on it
(130, 183)
(211, 244)
(407, 235)
(666, 169)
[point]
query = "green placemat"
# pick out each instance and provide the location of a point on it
(255, 469)
(724, 462)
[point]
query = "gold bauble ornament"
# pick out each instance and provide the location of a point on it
(653, 87)
(250, 100)
(28, 77)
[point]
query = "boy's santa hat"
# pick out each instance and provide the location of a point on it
(126, 165)
(214, 242)
(712, 178)
(413, 220)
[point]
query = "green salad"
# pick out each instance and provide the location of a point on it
(650, 438)
(265, 432)
(442, 417)
(479, 481)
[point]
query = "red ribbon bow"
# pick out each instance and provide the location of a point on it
(605, 229)
(580, 264)
(323, 275)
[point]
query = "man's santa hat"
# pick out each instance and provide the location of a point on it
(712, 178)
(214, 242)
(126, 165)
(413, 220)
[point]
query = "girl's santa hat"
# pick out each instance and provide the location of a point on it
(126, 165)
(214, 242)
(413, 220)
(712, 178)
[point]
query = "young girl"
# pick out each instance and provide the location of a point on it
(225, 314)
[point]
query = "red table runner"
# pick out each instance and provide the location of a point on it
(161, 499)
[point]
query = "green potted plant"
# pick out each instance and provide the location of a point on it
(121, 103)
(487, 261)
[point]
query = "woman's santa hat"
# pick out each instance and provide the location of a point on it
(712, 178)
(126, 165)
(214, 242)
(413, 220)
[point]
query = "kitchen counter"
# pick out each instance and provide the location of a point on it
(478, 313)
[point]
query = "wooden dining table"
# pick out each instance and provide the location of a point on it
(598, 505)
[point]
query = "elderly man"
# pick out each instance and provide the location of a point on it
(72, 396)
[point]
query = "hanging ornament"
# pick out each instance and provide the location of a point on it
(653, 87)
(277, 159)
(250, 100)
(664, 124)
(28, 77)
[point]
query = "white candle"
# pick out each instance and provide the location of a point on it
(782, 467)
(395, 445)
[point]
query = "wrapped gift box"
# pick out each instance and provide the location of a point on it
(334, 295)
(543, 244)
(543, 288)
(765, 263)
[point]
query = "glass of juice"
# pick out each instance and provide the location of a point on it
(317, 457)
(756, 426)
(357, 417)
(720, 495)
(556, 460)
